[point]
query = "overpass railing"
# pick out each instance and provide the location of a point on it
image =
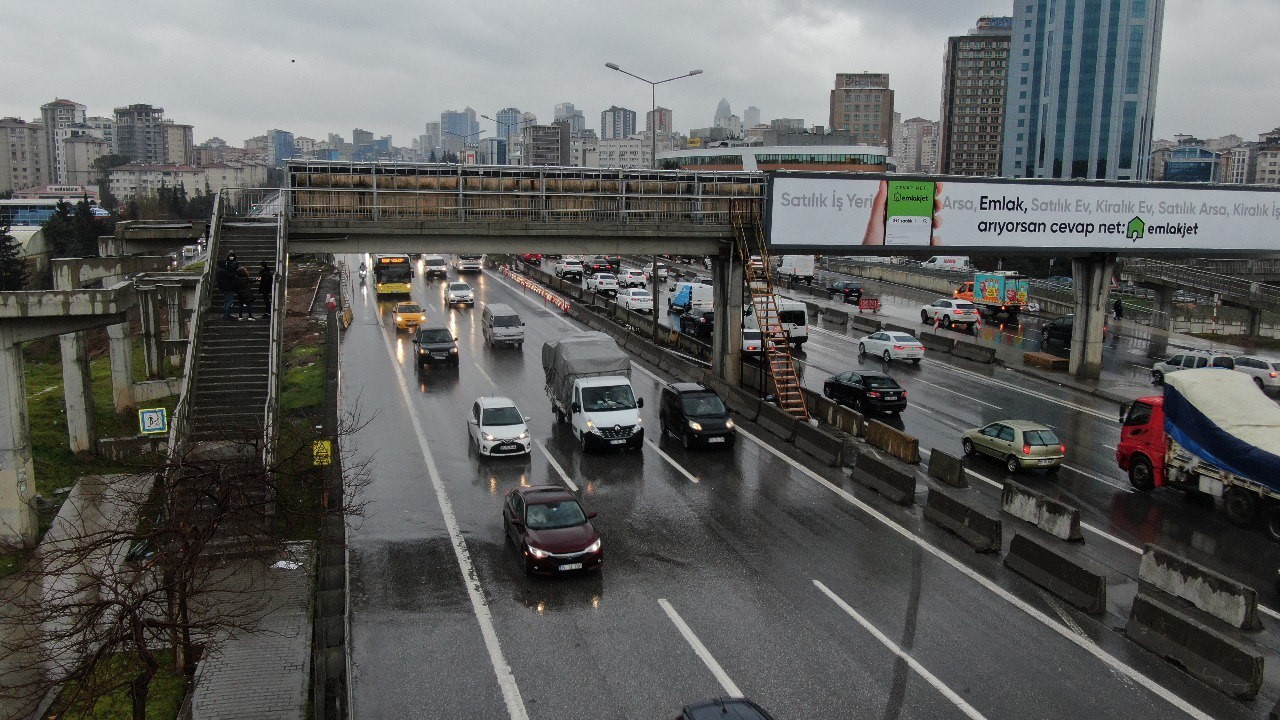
(180, 430)
(1252, 292)
(517, 194)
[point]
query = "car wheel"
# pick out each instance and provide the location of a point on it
(1011, 464)
(887, 356)
(924, 317)
(946, 321)
(1157, 377)
(1240, 505)
(862, 350)
(1258, 381)
(686, 439)
(1141, 476)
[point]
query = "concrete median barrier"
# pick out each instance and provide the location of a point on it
(649, 354)
(885, 476)
(835, 317)
(864, 324)
(892, 327)
(893, 441)
(1054, 517)
(936, 343)
(849, 420)
(1211, 655)
(981, 531)
(753, 377)
(977, 353)
(777, 421)
(1060, 570)
(948, 468)
(812, 308)
(825, 446)
(1214, 593)
(738, 400)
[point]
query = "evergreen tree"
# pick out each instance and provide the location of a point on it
(59, 236)
(14, 272)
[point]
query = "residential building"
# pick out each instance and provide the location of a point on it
(546, 144)
(790, 125)
(849, 158)
(731, 125)
(22, 146)
(59, 117)
(577, 120)
(279, 147)
(1080, 101)
(658, 119)
(508, 122)
(915, 145)
(179, 146)
(1240, 164)
(361, 138)
(630, 153)
(751, 116)
(617, 123)
(1156, 165)
(975, 74)
(139, 135)
(304, 147)
(583, 150)
(79, 153)
(1191, 161)
(1267, 161)
(862, 105)
(133, 179)
(105, 128)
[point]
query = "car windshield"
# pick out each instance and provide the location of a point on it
(703, 406)
(435, 335)
(434, 261)
(548, 516)
(642, 295)
(880, 381)
(1040, 437)
(897, 337)
(965, 306)
(605, 399)
(501, 416)
(408, 308)
(751, 335)
(459, 286)
(506, 321)
(470, 257)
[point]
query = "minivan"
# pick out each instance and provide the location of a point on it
(435, 265)
(501, 325)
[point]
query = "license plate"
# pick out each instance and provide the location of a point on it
(571, 566)
(1046, 462)
(440, 356)
(890, 397)
(507, 448)
(616, 442)
(715, 440)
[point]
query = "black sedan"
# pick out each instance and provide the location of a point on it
(699, 323)
(847, 290)
(867, 391)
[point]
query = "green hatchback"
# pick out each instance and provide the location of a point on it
(1020, 444)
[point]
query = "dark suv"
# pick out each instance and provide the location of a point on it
(435, 344)
(698, 323)
(597, 264)
(695, 414)
(848, 290)
(1057, 332)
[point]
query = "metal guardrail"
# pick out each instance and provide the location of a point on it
(1236, 267)
(279, 296)
(179, 429)
(1252, 292)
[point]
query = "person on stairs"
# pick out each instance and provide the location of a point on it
(226, 279)
(244, 293)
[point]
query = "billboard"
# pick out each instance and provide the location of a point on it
(906, 215)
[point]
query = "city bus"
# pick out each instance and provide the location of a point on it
(392, 274)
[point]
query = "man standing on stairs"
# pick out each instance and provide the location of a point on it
(226, 279)
(265, 280)
(244, 293)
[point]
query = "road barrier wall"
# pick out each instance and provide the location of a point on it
(1061, 571)
(977, 353)
(937, 343)
(864, 324)
(893, 441)
(737, 399)
(837, 317)
(948, 468)
(981, 531)
(1053, 516)
(885, 477)
(1214, 593)
(892, 327)
(825, 446)
(1225, 663)
(777, 421)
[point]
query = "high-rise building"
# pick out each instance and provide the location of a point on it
(915, 145)
(1081, 96)
(862, 105)
(21, 154)
(723, 111)
(139, 135)
(508, 122)
(576, 119)
(279, 147)
(661, 116)
(975, 74)
(751, 116)
(458, 128)
(179, 145)
(361, 138)
(1241, 164)
(617, 123)
(58, 118)
(1190, 161)
(546, 144)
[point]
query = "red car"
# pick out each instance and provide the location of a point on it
(550, 529)
(532, 258)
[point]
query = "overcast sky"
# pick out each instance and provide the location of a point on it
(237, 68)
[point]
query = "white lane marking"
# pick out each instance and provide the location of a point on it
(937, 684)
(700, 650)
(1061, 612)
(1099, 478)
(968, 396)
(506, 679)
(670, 460)
(563, 475)
(1109, 447)
(1062, 630)
(485, 374)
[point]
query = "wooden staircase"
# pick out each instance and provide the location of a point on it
(777, 344)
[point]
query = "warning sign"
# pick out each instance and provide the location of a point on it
(153, 421)
(322, 452)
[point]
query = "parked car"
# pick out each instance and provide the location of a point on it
(633, 278)
(637, 299)
(950, 312)
(846, 290)
(1190, 359)
(867, 391)
(891, 346)
(459, 293)
(408, 315)
(497, 427)
(1020, 444)
(698, 322)
(1265, 371)
(695, 414)
(433, 344)
(724, 709)
(605, 283)
(550, 530)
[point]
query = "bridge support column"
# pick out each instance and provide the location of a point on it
(173, 307)
(77, 391)
(1093, 278)
(1164, 308)
(17, 473)
(1253, 324)
(726, 344)
(149, 313)
(121, 350)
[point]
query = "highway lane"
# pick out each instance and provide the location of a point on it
(735, 555)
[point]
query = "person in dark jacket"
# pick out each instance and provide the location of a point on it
(266, 278)
(226, 279)
(244, 293)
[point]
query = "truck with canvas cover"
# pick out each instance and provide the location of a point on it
(1213, 431)
(588, 380)
(1000, 292)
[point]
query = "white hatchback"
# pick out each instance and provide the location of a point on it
(459, 293)
(637, 299)
(632, 278)
(891, 346)
(498, 428)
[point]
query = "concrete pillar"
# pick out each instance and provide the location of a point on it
(1093, 281)
(726, 345)
(17, 474)
(1164, 308)
(1253, 325)
(173, 306)
(149, 312)
(77, 391)
(121, 349)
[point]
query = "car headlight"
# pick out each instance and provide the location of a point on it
(523, 436)
(488, 437)
(695, 426)
(537, 552)
(593, 547)
(639, 421)
(453, 351)
(422, 351)
(728, 425)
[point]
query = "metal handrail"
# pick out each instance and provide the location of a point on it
(1250, 290)
(279, 295)
(178, 428)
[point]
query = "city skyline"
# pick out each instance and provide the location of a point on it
(236, 79)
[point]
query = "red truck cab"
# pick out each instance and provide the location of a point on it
(1142, 446)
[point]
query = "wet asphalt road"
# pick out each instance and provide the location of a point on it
(798, 586)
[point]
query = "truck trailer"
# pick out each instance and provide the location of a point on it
(995, 293)
(588, 381)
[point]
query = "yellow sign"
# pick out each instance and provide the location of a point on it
(321, 452)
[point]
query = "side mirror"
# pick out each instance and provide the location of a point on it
(517, 522)
(1124, 412)
(592, 514)
(416, 341)
(639, 402)
(575, 407)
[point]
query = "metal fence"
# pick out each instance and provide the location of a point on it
(1260, 295)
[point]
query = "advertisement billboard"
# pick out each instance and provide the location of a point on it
(895, 215)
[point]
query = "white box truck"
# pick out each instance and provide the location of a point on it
(588, 380)
(793, 314)
(796, 268)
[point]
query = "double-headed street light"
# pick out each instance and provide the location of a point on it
(464, 139)
(506, 137)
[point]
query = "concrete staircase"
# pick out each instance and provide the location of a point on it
(230, 393)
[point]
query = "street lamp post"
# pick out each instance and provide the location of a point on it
(464, 139)
(653, 160)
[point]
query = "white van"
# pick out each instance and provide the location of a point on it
(793, 314)
(501, 325)
(956, 263)
(689, 295)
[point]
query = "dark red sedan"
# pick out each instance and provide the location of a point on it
(551, 530)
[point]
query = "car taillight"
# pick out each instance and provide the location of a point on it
(904, 393)
(1271, 374)
(1026, 449)
(873, 393)
(899, 347)
(1063, 448)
